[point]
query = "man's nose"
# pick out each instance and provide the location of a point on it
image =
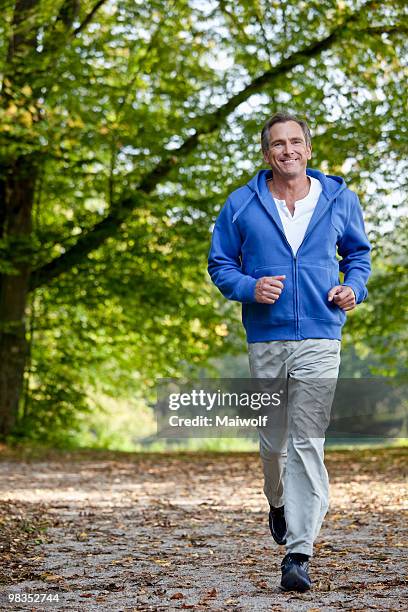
(287, 147)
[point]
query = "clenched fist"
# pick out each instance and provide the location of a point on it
(343, 296)
(268, 289)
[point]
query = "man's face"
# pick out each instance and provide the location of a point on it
(288, 152)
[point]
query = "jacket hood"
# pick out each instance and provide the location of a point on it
(332, 186)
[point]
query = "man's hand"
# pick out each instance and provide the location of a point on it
(343, 296)
(268, 289)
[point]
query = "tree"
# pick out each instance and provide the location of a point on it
(125, 124)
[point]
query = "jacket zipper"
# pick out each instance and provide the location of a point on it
(295, 284)
(296, 295)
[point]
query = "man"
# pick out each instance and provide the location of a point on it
(274, 248)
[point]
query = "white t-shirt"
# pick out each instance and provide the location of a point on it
(295, 227)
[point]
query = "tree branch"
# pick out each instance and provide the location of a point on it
(378, 30)
(88, 18)
(110, 226)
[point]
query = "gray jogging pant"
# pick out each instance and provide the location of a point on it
(292, 443)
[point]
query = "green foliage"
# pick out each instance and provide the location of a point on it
(381, 326)
(103, 109)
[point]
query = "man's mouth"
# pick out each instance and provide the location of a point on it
(288, 161)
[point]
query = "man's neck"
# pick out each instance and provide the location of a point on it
(292, 189)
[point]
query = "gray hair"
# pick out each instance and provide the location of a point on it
(283, 118)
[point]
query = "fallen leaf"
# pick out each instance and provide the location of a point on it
(52, 577)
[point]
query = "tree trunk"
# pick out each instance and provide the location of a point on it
(17, 194)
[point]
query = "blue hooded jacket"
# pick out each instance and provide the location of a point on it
(249, 242)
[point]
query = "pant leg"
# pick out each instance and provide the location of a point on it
(312, 380)
(267, 360)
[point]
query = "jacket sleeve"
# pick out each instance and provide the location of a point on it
(354, 249)
(224, 259)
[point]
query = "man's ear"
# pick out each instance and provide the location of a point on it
(309, 153)
(265, 156)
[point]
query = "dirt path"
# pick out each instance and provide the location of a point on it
(157, 532)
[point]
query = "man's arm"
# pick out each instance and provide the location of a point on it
(224, 259)
(354, 249)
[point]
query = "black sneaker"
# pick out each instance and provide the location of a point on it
(295, 577)
(277, 524)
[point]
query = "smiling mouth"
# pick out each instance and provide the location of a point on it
(288, 161)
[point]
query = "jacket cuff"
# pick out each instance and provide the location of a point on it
(246, 289)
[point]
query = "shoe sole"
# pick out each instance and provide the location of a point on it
(294, 589)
